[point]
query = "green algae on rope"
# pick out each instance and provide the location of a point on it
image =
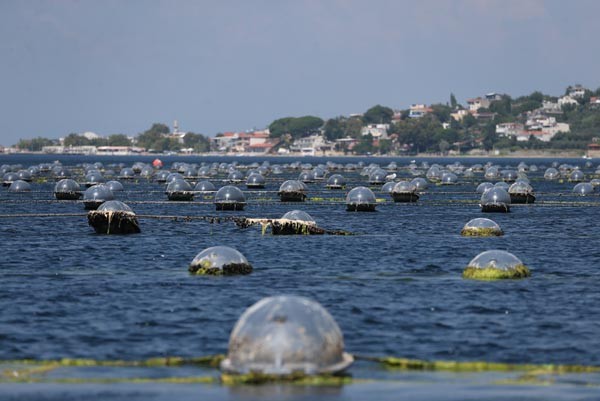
(478, 366)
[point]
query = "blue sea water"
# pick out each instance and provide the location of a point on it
(395, 288)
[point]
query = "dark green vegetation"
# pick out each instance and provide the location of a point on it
(445, 127)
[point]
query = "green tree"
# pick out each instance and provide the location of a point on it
(35, 144)
(365, 145)
(76, 140)
(198, 142)
(490, 137)
(334, 128)
(503, 107)
(444, 146)
(152, 136)
(378, 115)
(453, 102)
(297, 127)
(118, 140)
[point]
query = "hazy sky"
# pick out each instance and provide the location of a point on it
(118, 66)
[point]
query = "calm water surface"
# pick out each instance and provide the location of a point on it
(394, 289)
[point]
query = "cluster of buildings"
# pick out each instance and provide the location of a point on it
(542, 123)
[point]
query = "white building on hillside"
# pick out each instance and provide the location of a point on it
(378, 131)
(567, 100)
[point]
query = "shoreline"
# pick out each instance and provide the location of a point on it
(520, 154)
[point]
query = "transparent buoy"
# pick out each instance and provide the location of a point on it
(336, 181)
(95, 195)
(284, 334)
(481, 227)
(494, 265)
(521, 192)
(19, 186)
(583, 188)
(220, 260)
(484, 186)
(495, 200)
(179, 190)
(292, 191)
(230, 197)
(67, 189)
(361, 199)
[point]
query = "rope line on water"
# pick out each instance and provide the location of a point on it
(34, 371)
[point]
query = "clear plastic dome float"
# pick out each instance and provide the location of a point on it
(495, 200)
(95, 195)
(481, 227)
(551, 174)
(583, 188)
(220, 261)
(113, 217)
(94, 178)
(127, 174)
(19, 186)
(404, 192)
(292, 191)
(521, 192)
(449, 178)
(255, 181)
(230, 197)
(495, 265)
(179, 190)
(285, 336)
(484, 186)
(336, 181)
(306, 177)
(420, 183)
(161, 176)
(388, 187)
(67, 189)
(361, 199)
(235, 176)
(576, 176)
(377, 177)
(115, 186)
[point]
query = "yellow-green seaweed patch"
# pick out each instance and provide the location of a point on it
(481, 232)
(492, 273)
